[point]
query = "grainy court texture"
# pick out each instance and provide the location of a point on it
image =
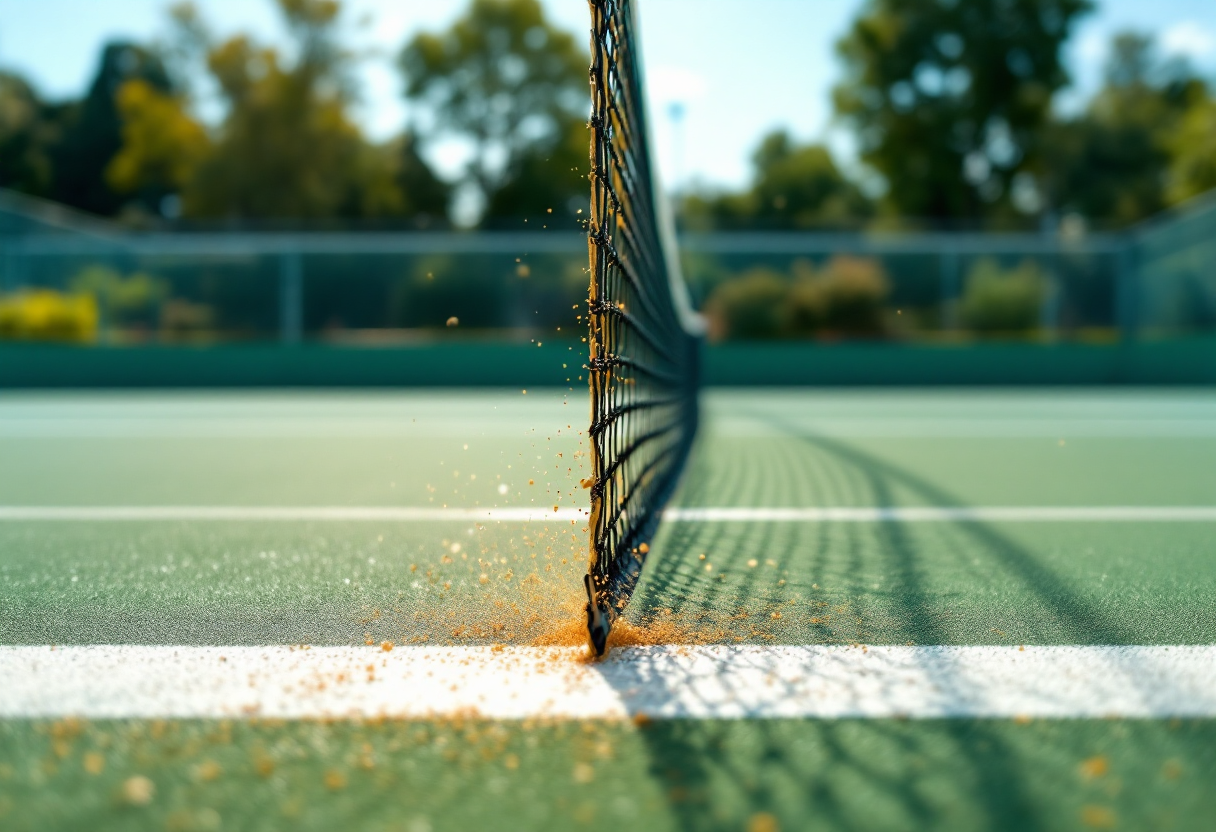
(864, 610)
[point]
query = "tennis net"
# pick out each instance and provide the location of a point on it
(644, 337)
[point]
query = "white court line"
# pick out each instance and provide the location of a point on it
(946, 514)
(390, 514)
(673, 681)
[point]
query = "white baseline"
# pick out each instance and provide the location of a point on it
(675, 681)
(394, 514)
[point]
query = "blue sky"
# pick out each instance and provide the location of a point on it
(740, 67)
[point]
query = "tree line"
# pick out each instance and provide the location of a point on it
(953, 107)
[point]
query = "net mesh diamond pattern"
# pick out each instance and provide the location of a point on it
(643, 338)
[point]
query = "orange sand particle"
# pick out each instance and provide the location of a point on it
(1094, 767)
(1098, 817)
(762, 822)
(94, 763)
(659, 629)
(335, 780)
(386, 646)
(138, 790)
(208, 770)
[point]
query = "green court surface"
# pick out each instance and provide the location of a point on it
(1040, 579)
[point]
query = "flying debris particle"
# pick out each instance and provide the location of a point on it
(453, 321)
(138, 790)
(1098, 817)
(1094, 767)
(386, 646)
(763, 822)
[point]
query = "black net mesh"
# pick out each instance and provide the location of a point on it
(643, 341)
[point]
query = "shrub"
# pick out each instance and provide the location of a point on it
(182, 318)
(846, 297)
(124, 301)
(45, 315)
(1000, 300)
(748, 307)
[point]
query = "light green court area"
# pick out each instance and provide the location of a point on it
(459, 582)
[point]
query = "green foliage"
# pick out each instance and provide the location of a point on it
(1110, 163)
(515, 86)
(45, 315)
(287, 147)
(947, 99)
(748, 308)
(424, 195)
(29, 130)
(162, 144)
(546, 179)
(1003, 301)
(123, 301)
(92, 132)
(1193, 167)
(845, 298)
(793, 187)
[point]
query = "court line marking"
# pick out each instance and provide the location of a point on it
(674, 681)
(822, 514)
(946, 514)
(391, 514)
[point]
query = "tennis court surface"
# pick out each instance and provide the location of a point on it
(878, 610)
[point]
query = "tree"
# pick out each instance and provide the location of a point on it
(1110, 163)
(547, 178)
(161, 144)
(948, 98)
(92, 129)
(1193, 165)
(425, 195)
(514, 86)
(287, 147)
(29, 130)
(794, 186)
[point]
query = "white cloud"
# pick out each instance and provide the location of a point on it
(1189, 39)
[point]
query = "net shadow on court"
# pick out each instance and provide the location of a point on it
(845, 772)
